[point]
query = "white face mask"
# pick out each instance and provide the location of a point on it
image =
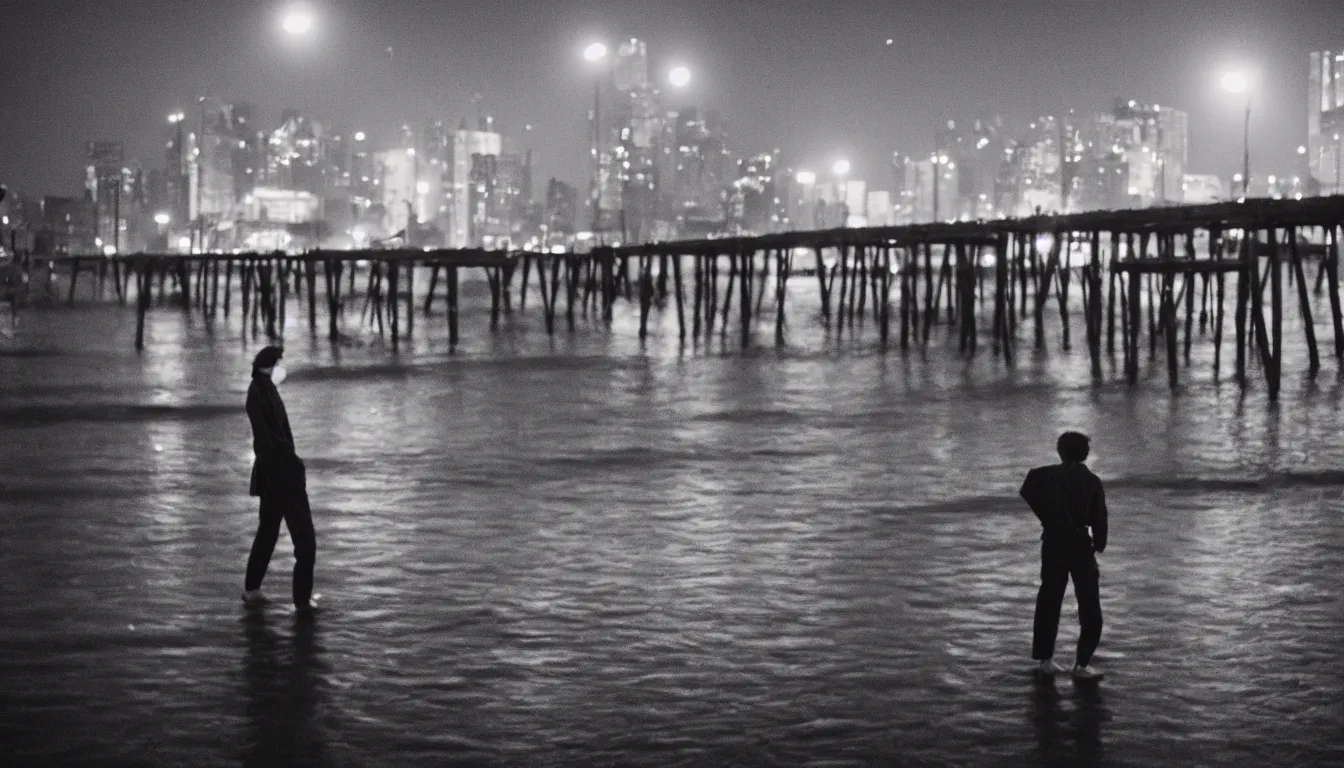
(278, 375)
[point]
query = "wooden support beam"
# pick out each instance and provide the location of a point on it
(645, 294)
(1332, 287)
(1245, 279)
(310, 274)
(143, 291)
(744, 301)
(1304, 304)
(410, 299)
(522, 291)
(434, 268)
(452, 308)
(679, 297)
(1276, 315)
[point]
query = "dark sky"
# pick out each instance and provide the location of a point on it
(813, 78)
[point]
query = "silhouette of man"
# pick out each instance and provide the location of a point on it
(279, 479)
(1069, 500)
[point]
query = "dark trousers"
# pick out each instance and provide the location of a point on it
(294, 510)
(1058, 562)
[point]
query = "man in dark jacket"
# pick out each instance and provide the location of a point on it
(1069, 500)
(279, 479)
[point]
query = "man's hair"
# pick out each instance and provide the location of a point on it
(1073, 446)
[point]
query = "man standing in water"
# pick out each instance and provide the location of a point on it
(279, 479)
(1068, 499)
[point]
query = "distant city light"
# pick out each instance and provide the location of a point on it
(109, 250)
(840, 168)
(595, 52)
(806, 177)
(184, 242)
(679, 77)
(162, 218)
(1236, 82)
(890, 41)
(1301, 150)
(359, 136)
(422, 187)
(411, 151)
(297, 21)
(176, 117)
(1236, 177)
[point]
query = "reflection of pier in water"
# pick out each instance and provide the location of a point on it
(978, 278)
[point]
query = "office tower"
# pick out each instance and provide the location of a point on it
(1155, 143)
(1325, 120)
(562, 209)
(975, 153)
(178, 170)
(104, 182)
(474, 178)
(69, 225)
(397, 176)
(249, 155)
(214, 194)
(753, 202)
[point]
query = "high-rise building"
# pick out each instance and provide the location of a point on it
(975, 153)
(249, 155)
(179, 167)
(754, 204)
(104, 181)
(69, 225)
(1155, 142)
(562, 209)
(474, 179)
(1325, 120)
(398, 175)
(214, 194)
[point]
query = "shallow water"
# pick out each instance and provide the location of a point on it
(587, 551)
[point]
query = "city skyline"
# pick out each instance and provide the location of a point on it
(855, 101)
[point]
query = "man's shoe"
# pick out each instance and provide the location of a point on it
(1047, 668)
(253, 597)
(1087, 673)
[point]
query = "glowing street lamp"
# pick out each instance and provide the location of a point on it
(679, 77)
(297, 22)
(595, 52)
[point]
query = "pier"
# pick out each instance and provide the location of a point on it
(1163, 268)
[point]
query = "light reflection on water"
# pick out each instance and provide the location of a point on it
(573, 551)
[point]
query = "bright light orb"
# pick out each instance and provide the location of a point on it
(422, 187)
(162, 218)
(840, 168)
(595, 52)
(359, 136)
(297, 22)
(679, 77)
(1236, 82)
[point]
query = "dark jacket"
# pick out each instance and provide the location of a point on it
(1068, 500)
(277, 467)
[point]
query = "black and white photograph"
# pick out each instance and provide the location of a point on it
(705, 383)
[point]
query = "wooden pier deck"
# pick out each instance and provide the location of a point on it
(974, 277)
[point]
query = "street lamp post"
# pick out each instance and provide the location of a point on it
(1239, 82)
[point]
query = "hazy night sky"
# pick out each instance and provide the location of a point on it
(812, 78)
